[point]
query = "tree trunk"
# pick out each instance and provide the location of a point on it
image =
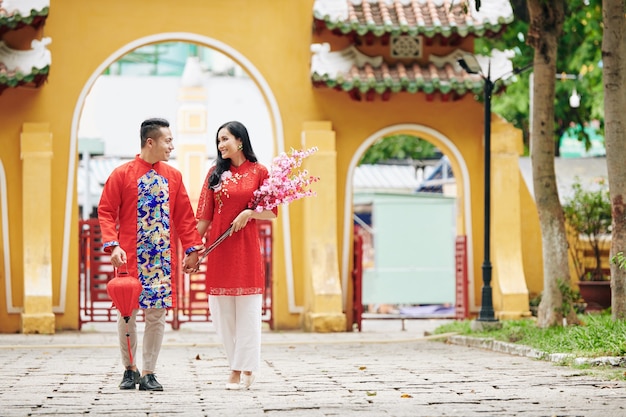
(546, 25)
(614, 77)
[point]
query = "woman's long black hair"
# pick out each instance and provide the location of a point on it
(239, 131)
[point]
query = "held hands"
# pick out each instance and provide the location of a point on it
(241, 221)
(190, 263)
(118, 257)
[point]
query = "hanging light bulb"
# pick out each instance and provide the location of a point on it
(574, 99)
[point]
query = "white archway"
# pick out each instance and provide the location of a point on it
(348, 209)
(275, 116)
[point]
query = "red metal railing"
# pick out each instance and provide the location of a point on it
(95, 271)
(461, 303)
(461, 308)
(357, 280)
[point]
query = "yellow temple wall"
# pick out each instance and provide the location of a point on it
(273, 35)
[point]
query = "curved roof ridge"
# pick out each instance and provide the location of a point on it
(24, 67)
(413, 17)
(357, 74)
(24, 62)
(23, 7)
(17, 13)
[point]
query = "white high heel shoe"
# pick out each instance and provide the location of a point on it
(247, 380)
(232, 386)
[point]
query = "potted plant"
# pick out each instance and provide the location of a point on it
(588, 214)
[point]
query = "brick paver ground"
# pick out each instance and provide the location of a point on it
(379, 372)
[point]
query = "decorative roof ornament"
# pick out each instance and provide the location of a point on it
(17, 67)
(492, 12)
(335, 10)
(24, 67)
(24, 62)
(413, 17)
(341, 62)
(499, 61)
(22, 7)
(15, 14)
(422, 21)
(364, 76)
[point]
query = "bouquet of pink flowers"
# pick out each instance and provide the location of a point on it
(283, 186)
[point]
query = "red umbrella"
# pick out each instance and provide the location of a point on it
(124, 290)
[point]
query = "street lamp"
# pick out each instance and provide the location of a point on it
(574, 99)
(470, 64)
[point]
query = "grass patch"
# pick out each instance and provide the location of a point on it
(598, 335)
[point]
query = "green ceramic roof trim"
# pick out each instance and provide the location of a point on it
(21, 78)
(404, 84)
(11, 22)
(428, 31)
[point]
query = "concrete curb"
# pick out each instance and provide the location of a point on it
(521, 350)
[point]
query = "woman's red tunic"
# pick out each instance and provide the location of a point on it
(234, 267)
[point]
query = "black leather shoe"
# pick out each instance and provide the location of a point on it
(148, 382)
(131, 378)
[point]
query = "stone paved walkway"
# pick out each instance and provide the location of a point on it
(379, 372)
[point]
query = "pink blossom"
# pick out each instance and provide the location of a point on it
(285, 183)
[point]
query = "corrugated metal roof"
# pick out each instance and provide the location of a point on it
(387, 177)
(441, 175)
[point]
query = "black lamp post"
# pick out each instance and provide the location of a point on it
(486, 308)
(470, 65)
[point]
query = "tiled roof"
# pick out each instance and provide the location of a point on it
(365, 77)
(15, 14)
(385, 177)
(24, 68)
(18, 67)
(413, 17)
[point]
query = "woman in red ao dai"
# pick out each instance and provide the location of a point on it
(235, 269)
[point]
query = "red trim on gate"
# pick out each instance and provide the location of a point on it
(357, 279)
(461, 309)
(95, 271)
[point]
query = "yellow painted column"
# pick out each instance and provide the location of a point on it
(323, 309)
(510, 292)
(192, 134)
(36, 145)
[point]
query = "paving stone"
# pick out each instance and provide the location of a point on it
(384, 372)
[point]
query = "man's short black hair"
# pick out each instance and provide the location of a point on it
(151, 126)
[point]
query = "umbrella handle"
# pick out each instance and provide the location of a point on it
(213, 245)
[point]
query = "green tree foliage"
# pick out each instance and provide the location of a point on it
(579, 54)
(398, 147)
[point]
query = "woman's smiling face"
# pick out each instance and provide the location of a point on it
(227, 144)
